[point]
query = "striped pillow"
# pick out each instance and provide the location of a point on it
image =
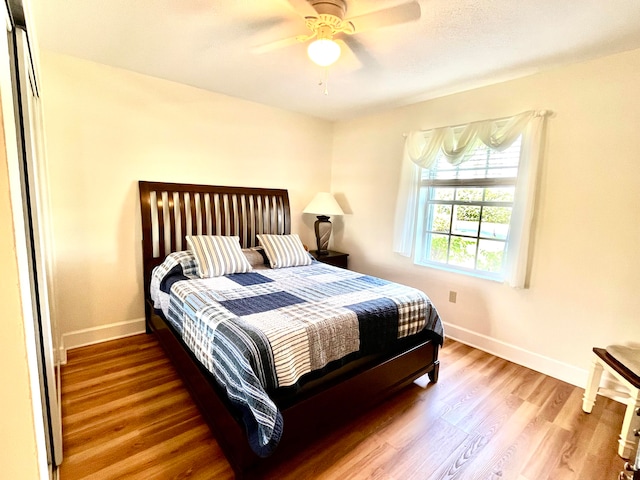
(284, 250)
(217, 255)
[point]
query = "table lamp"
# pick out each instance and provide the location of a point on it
(323, 205)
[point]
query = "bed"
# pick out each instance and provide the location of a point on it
(318, 400)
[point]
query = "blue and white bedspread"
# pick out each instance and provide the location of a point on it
(264, 329)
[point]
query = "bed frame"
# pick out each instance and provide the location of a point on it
(171, 211)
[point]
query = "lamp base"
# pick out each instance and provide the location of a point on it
(323, 229)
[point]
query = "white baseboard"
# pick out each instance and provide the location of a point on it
(102, 333)
(540, 363)
(61, 355)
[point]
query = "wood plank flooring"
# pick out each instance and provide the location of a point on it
(126, 414)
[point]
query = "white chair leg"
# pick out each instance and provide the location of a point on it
(630, 425)
(593, 383)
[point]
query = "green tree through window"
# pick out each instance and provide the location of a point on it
(466, 211)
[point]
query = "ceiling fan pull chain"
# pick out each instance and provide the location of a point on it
(325, 81)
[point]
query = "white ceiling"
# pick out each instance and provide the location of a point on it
(456, 45)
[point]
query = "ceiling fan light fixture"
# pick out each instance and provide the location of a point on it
(324, 52)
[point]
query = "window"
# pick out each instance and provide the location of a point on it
(464, 211)
(467, 194)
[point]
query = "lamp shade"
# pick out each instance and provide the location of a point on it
(323, 204)
(324, 51)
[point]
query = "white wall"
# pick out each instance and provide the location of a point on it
(586, 264)
(107, 128)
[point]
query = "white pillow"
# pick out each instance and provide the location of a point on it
(217, 255)
(284, 250)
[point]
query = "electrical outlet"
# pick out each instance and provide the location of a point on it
(453, 296)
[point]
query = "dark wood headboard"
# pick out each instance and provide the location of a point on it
(171, 211)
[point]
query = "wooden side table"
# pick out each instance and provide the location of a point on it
(337, 259)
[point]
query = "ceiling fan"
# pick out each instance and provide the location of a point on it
(326, 18)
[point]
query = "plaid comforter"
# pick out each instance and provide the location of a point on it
(265, 329)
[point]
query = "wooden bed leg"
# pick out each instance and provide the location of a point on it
(433, 374)
(147, 318)
(147, 326)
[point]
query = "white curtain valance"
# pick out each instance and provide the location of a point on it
(423, 146)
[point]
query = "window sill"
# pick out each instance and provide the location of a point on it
(470, 273)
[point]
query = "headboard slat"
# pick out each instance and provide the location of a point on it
(192, 213)
(241, 216)
(223, 208)
(230, 220)
(264, 206)
(161, 231)
(183, 219)
(251, 230)
(173, 232)
(208, 220)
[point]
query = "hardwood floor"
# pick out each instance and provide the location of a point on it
(126, 414)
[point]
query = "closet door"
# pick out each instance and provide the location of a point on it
(37, 231)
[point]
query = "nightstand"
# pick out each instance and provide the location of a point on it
(337, 259)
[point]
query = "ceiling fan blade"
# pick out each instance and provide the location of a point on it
(360, 52)
(349, 59)
(303, 8)
(285, 42)
(386, 17)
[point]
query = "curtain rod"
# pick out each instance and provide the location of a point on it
(537, 113)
